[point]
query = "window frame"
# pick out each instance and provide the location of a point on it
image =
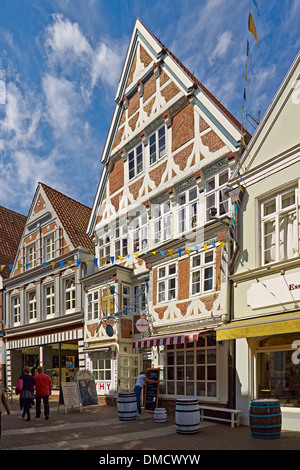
(51, 256)
(201, 268)
(121, 236)
(31, 255)
(139, 232)
(72, 291)
(51, 297)
(217, 191)
(156, 142)
(277, 216)
(135, 159)
(32, 306)
(161, 219)
(164, 282)
(93, 313)
(186, 209)
(16, 310)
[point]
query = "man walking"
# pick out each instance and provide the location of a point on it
(43, 387)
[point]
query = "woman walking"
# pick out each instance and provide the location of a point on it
(27, 392)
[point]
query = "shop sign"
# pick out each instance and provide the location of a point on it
(279, 290)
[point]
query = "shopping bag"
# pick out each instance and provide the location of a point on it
(19, 386)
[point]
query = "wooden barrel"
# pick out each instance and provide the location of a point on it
(265, 419)
(160, 415)
(126, 406)
(187, 415)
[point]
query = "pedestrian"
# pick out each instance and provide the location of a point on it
(140, 382)
(4, 406)
(43, 387)
(27, 392)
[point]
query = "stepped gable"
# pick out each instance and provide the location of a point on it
(11, 228)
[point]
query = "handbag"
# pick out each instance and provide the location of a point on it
(19, 386)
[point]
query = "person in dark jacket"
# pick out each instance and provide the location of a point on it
(27, 392)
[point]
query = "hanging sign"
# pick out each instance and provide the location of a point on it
(142, 325)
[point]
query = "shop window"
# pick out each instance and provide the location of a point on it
(278, 371)
(279, 227)
(128, 372)
(190, 369)
(102, 366)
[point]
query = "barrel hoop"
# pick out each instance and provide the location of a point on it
(264, 406)
(187, 425)
(264, 416)
(187, 411)
(266, 436)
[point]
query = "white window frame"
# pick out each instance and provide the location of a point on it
(276, 217)
(16, 309)
(49, 247)
(137, 157)
(139, 230)
(140, 300)
(104, 242)
(31, 301)
(157, 145)
(31, 255)
(161, 221)
(121, 239)
(51, 297)
(70, 291)
(188, 217)
(217, 194)
(201, 270)
(107, 311)
(93, 304)
(163, 283)
(102, 363)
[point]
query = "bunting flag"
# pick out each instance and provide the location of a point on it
(179, 251)
(2, 267)
(171, 253)
(252, 27)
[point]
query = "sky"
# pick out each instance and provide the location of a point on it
(61, 60)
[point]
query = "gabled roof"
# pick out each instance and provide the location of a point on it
(11, 228)
(73, 215)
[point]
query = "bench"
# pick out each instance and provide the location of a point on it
(234, 417)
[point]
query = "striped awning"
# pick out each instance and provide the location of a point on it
(175, 338)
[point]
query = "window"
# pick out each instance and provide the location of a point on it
(126, 296)
(32, 306)
(93, 306)
(31, 255)
(16, 310)
(140, 232)
(157, 144)
(215, 196)
(50, 305)
(190, 369)
(162, 221)
(140, 298)
(188, 216)
(129, 371)
(280, 236)
(107, 300)
(104, 249)
(70, 295)
(166, 283)
(121, 239)
(102, 366)
(202, 272)
(49, 248)
(135, 161)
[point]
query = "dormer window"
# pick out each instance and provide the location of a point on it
(135, 161)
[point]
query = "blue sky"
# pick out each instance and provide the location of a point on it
(61, 60)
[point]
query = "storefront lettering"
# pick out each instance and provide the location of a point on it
(294, 286)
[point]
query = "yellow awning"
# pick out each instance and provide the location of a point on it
(261, 326)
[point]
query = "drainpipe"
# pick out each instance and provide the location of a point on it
(231, 352)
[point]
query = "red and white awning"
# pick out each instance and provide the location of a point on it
(178, 338)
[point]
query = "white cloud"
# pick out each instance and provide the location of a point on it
(222, 47)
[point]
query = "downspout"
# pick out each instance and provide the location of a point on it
(232, 349)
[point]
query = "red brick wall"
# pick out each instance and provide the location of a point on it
(182, 127)
(116, 179)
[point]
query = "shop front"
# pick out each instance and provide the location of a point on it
(58, 354)
(191, 364)
(267, 363)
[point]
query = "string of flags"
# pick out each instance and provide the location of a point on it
(253, 31)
